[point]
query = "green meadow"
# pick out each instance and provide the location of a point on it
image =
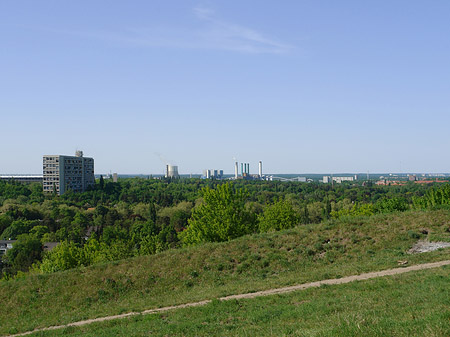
(347, 246)
(411, 304)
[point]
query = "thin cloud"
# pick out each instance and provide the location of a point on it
(214, 34)
(236, 37)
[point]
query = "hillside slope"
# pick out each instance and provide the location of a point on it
(306, 253)
(411, 304)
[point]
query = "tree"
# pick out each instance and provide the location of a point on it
(315, 211)
(277, 216)
(25, 251)
(39, 231)
(396, 204)
(221, 217)
(65, 256)
(5, 222)
(18, 227)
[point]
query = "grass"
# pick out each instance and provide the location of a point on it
(412, 304)
(306, 253)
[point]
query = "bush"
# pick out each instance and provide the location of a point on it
(386, 205)
(65, 256)
(356, 210)
(221, 217)
(279, 215)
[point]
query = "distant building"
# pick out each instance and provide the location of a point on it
(338, 180)
(64, 173)
(412, 177)
(213, 174)
(172, 171)
(35, 178)
(341, 179)
(245, 172)
(5, 245)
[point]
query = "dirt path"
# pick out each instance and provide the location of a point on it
(342, 280)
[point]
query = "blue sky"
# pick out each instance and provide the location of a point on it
(304, 86)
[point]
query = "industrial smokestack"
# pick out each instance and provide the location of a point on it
(242, 169)
(172, 171)
(236, 170)
(260, 169)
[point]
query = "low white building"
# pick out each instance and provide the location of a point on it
(338, 180)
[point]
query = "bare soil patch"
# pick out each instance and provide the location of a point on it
(426, 246)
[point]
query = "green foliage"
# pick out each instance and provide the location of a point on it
(249, 264)
(433, 198)
(388, 205)
(151, 244)
(13, 190)
(68, 254)
(5, 222)
(25, 251)
(65, 256)
(143, 216)
(221, 217)
(18, 227)
(314, 211)
(39, 231)
(356, 210)
(113, 234)
(277, 216)
(145, 211)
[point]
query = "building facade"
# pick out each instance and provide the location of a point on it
(339, 180)
(64, 173)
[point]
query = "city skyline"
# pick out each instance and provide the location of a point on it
(307, 87)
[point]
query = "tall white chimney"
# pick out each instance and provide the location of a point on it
(236, 170)
(260, 168)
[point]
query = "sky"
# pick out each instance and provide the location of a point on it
(305, 86)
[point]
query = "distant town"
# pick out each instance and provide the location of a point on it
(76, 173)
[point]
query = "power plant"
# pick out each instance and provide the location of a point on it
(213, 174)
(242, 172)
(245, 172)
(172, 171)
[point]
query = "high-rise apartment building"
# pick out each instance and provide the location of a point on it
(64, 173)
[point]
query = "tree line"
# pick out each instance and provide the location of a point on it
(145, 216)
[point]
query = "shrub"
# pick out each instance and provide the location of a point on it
(221, 217)
(277, 216)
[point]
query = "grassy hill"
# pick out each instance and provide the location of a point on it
(306, 253)
(413, 304)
